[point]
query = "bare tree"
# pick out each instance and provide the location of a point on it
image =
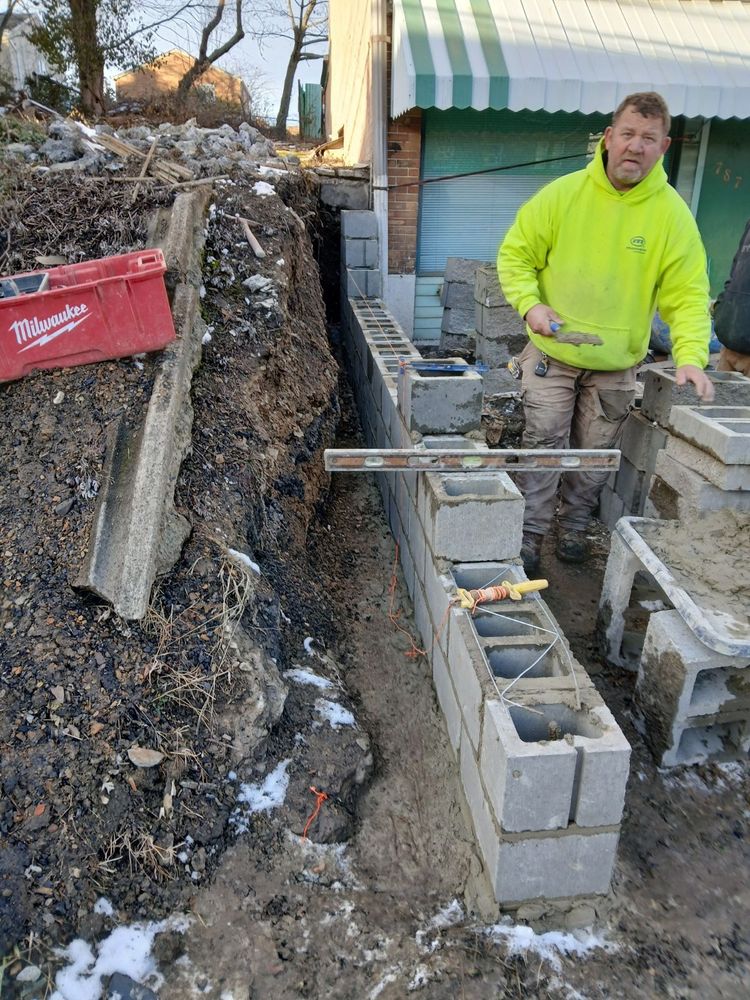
(305, 23)
(206, 59)
(6, 16)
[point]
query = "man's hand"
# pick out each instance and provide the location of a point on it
(539, 318)
(691, 373)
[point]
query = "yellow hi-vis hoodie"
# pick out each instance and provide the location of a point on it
(605, 260)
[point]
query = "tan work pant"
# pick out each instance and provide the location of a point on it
(576, 408)
(733, 361)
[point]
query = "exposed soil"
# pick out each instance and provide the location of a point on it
(361, 907)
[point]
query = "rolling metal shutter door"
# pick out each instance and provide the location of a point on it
(469, 216)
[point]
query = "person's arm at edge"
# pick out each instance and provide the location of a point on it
(683, 304)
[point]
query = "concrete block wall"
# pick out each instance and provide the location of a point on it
(543, 765)
(500, 331)
(626, 491)
(360, 273)
(457, 300)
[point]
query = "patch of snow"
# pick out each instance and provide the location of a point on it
(652, 605)
(104, 907)
(202, 291)
(245, 560)
(206, 338)
(263, 188)
(733, 771)
(308, 644)
(280, 262)
(420, 978)
(549, 946)
(127, 950)
(303, 676)
(334, 714)
(449, 916)
(265, 171)
(232, 776)
(266, 795)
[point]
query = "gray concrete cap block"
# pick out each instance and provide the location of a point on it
(461, 270)
(530, 785)
(359, 224)
(458, 319)
(723, 431)
(551, 867)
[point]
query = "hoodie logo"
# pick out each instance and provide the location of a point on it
(637, 243)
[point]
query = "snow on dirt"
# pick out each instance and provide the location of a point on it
(301, 675)
(334, 714)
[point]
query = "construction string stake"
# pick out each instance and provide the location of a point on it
(320, 798)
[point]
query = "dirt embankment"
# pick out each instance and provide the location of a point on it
(79, 688)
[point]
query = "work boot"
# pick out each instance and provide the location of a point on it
(572, 546)
(531, 548)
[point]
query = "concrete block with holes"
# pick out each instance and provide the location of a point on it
(440, 402)
(661, 393)
(553, 759)
(471, 516)
(725, 477)
(696, 702)
(722, 431)
(677, 491)
(641, 442)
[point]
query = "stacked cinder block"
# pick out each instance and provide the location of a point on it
(543, 764)
(500, 330)
(360, 271)
(698, 470)
(457, 300)
(695, 702)
(626, 490)
(661, 474)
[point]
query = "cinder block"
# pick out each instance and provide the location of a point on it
(360, 252)
(677, 491)
(418, 545)
(438, 591)
(725, 477)
(528, 737)
(458, 319)
(468, 671)
(631, 487)
(422, 618)
(683, 684)
(530, 784)
(611, 507)
(471, 516)
(695, 744)
(440, 402)
(482, 819)
(641, 441)
(498, 338)
(573, 863)
(446, 698)
(487, 291)
(359, 225)
(723, 431)
(661, 392)
(361, 283)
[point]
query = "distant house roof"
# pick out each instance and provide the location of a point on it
(172, 56)
(571, 55)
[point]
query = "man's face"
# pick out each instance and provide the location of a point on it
(633, 145)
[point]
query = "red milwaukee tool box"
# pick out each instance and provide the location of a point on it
(79, 313)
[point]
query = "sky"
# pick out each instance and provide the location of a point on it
(262, 67)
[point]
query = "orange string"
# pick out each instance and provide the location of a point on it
(320, 798)
(393, 616)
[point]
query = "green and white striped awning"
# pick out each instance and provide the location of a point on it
(571, 55)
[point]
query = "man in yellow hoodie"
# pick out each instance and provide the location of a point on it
(596, 252)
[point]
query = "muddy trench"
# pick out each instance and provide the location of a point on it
(268, 681)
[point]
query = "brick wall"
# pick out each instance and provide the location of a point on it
(404, 144)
